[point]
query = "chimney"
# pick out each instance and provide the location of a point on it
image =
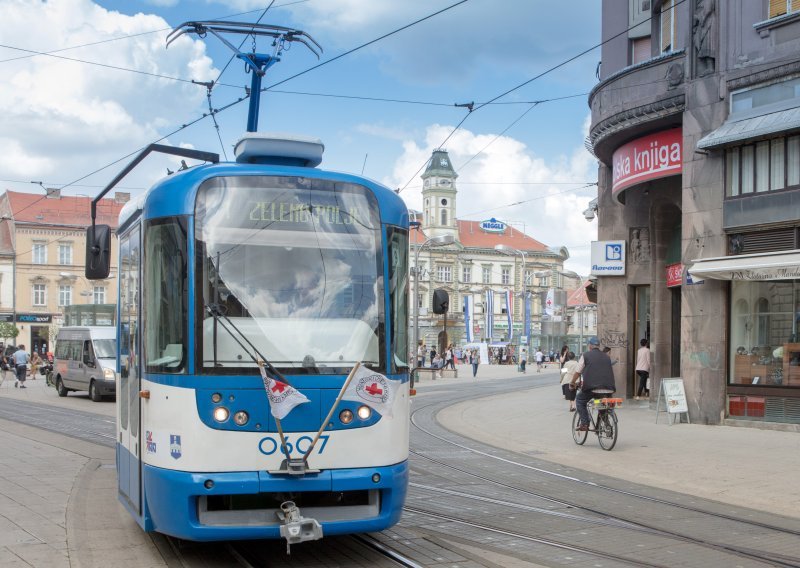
(122, 196)
(53, 192)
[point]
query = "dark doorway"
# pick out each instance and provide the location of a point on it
(39, 339)
(675, 332)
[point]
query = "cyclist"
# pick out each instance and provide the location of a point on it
(595, 368)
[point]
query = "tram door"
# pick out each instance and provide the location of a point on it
(128, 402)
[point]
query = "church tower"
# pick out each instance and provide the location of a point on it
(439, 196)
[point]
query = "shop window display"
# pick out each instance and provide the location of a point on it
(765, 333)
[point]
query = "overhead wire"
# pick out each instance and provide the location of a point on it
(472, 108)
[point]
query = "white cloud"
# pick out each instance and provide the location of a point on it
(69, 118)
(547, 207)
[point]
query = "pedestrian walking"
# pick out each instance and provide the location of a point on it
(20, 358)
(474, 359)
(36, 362)
(523, 359)
(643, 368)
(539, 358)
(448, 358)
(421, 355)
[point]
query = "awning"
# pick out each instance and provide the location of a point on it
(783, 265)
(733, 131)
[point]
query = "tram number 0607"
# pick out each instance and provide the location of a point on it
(270, 445)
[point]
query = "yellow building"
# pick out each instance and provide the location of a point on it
(42, 261)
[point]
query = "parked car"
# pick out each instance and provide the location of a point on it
(85, 360)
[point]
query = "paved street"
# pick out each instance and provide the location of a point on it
(58, 501)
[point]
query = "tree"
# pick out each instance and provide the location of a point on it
(8, 330)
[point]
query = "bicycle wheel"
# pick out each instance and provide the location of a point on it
(578, 436)
(607, 430)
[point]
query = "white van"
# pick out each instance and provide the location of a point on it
(85, 360)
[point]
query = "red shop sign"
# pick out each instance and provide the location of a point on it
(650, 157)
(674, 274)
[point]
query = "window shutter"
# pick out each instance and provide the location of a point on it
(795, 6)
(778, 7)
(641, 49)
(666, 26)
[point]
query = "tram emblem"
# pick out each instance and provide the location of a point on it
(151, 445)
(175, 446)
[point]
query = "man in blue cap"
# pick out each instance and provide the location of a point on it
(598, 379)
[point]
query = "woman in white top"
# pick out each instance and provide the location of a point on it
(566, 376)
(643, 368)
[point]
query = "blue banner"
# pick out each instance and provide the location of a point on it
(469, 304)
(489, 313)
(510, 314)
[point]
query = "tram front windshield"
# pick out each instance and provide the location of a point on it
(291, 267)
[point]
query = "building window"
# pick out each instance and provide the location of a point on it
(505, 276)
(640, 50)
(466, 274)
(783, 7)
(39, 252)
(420, 302)
(64, 253)
(765, 333)
(39, 295)
(99, 295)
(667, 26)
(444, 217)
(769, 165)
(444, 274)
(486, 275)
(65, 295)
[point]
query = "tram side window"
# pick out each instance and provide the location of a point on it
(165, 278)
(398, 293)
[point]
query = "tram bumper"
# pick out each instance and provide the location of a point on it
(246, 505)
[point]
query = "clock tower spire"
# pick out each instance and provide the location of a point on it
(439, 196)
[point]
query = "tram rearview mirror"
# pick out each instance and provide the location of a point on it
(98, 252)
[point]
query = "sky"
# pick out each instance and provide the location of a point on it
(86, 84)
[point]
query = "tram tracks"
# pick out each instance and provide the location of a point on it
(603, 518)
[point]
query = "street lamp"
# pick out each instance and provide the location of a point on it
(439, 241)
(511, 251)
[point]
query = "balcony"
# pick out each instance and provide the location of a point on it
(636, 100)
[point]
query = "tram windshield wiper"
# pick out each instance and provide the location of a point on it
(218, 314)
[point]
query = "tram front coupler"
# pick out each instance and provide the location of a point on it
(296, 528)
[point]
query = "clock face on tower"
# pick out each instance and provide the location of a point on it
(444, 182)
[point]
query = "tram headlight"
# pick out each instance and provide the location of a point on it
(346, 416)
(240, 418)
(109, 375)
(364, 412)
(221, 414)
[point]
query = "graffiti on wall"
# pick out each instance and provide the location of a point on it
(613, 338)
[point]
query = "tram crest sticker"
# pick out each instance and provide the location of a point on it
(175, 446)
(151, 445)
(373, 388)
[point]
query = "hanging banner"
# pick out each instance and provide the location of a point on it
(510, 313)
(469, 309)
(488, 309)
(550, 302)
(527, 329)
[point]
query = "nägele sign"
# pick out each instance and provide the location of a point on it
(650, 157)
(493, 226)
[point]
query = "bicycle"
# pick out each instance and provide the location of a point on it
(602, 421)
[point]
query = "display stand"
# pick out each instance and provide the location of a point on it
(674, 397)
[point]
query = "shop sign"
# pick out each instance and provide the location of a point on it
(650, 157)
(674, 274)
(608, 258)
(692, 281)
(34, 318)
(7, 317)
(493, 226)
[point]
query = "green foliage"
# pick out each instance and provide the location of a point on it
(8, 330)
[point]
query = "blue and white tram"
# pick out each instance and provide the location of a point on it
(225, 263)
